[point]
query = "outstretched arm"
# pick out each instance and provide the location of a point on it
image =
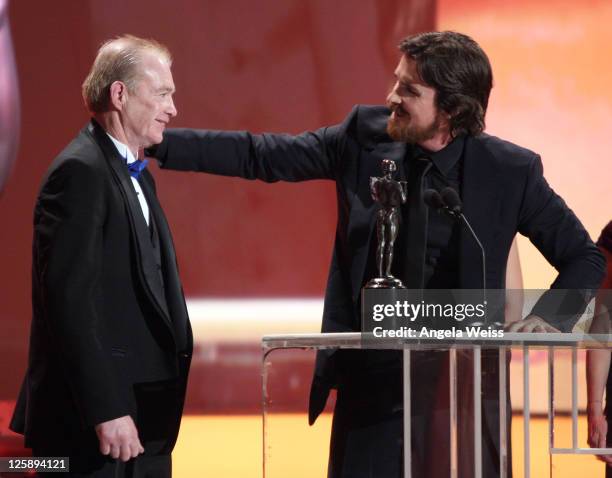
(267, 157)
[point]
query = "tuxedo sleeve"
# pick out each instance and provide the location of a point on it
(558, 234)
(267, 157)
(68, 235)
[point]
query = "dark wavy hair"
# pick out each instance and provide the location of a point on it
(460, 72)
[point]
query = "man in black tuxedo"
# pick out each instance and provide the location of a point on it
(434, 112)
(110, 341)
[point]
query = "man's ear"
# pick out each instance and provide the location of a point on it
(446, 117)
(118, 94)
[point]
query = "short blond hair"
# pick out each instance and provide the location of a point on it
(117, 60)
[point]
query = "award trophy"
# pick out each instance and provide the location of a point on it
(390, 195)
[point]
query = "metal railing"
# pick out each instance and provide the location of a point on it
(525, 341)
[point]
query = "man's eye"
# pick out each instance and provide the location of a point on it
(408, 90)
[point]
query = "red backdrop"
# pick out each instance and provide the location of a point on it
(274, 65)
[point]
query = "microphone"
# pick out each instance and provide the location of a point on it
(433, 199)
(450, 202)
(447, 202)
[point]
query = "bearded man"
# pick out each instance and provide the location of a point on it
(432, 127)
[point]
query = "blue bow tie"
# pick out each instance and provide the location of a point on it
(137, 167)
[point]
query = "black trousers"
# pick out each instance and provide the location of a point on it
(157, 421)
(87, 461)
(367, 428)
(141, 467)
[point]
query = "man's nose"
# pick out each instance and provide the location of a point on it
(171, 110)
(392, 97)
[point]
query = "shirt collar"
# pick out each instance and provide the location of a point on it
(447, 157)
(123, 149)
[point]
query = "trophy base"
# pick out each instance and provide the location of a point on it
(389, 282)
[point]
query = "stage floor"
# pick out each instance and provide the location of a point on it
(231, 447)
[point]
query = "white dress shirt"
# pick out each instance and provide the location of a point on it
(125, 152)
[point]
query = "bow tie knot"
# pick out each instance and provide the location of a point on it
(136, 167)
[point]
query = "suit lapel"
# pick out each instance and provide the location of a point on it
(481, 202)
(145, 258)
(174, 294)
(363, 212)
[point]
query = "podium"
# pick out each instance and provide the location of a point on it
(277, 348)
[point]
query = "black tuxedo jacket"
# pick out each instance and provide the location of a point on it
(503, 191)
(110, 335)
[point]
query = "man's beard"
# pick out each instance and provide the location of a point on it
(402, 131)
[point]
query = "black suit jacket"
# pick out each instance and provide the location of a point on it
(503, 191)
(110, 335)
